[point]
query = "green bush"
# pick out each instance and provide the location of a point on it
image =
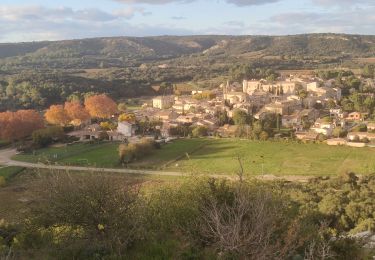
(46, 136)
(2, 181)
(200, 131)
(135, 151)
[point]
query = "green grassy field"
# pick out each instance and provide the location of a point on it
(100, 154)
(219, 156)
(106, 154)
(169, 153)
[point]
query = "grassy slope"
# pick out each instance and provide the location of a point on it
(219, 157)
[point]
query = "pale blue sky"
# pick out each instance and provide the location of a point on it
(35, 20)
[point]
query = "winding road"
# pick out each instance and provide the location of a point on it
(7, 154)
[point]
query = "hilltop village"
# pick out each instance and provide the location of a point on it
(304, 108)
(337, 111)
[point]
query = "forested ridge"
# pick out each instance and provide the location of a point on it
(38, 74)
(132, 51)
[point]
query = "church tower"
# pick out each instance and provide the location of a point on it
(225, 90)
(244, 86)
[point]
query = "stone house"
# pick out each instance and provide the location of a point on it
(227, 130)
(290, 120)
(166, 115)
(324, 127)
(371, 126)
(278, 88)
(126, 129)
(235, 97)
(361, 135)
(163, 102)
(306, 136)
(354, 116)
(336, 141)
(188, 119)
(337, 112)
(284, 107)
(90, 132)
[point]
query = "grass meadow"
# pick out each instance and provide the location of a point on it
(220, 156)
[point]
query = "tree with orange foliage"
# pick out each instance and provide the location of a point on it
(20, 124)
(57, 115)
(126, 117)
(76, 112)
(101, 106)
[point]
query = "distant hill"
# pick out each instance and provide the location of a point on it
(38, 74)
(133, 51)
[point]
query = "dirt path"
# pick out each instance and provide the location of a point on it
(7, 154)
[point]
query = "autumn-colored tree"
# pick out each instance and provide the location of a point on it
(108, 126)
(122, 107)
(57, 115)
(9, 123)
(76, 112)
(101, 106)
(126, 117)
(20, 124)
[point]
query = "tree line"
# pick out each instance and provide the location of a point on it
(21, 124)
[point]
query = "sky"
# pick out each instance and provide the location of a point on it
(37, 20)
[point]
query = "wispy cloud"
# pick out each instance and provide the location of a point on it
(28, 23)
(32, 13)
(345, 3)
(36, 22)
(154, 2)
(358, 21)
(251, 2)
(178, 18)
(235, 2)
(234, 23)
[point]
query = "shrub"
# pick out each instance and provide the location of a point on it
(200, 131)
(103, 135)
(135, 151)
(46, 136)
(182, 131)
(238, 220)
(356, 139)
(240, 117)
(339, 132)
(87, 216)
(2, 181)
(263, 136)
(321, 137)
(108, 126)
(360, 128)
